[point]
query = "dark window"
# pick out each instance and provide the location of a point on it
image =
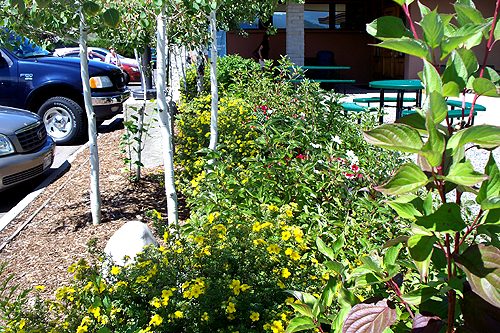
(337, 16)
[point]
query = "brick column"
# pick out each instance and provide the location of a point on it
(295, 33)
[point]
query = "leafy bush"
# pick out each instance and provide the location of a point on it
(229, 69)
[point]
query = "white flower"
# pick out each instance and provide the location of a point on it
(315, 145)
(337, 139)
(352, 157)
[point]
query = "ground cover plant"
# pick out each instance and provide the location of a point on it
(450, 282)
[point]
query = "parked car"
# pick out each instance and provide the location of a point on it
(130, 66)
(26, 150)
(32, 79)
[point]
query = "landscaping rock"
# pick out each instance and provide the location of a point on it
(128, 241)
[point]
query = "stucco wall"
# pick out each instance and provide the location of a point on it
(244, 46)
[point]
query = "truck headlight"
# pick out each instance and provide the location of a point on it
(100, 82)
(6, 146)
(135, 69)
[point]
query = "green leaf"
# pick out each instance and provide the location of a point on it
(372, 264)
(392, 254)
(43, 3)
(404, 209)
(451, 89)
(481, 263)
(417, 297)
(325, 249)
(300, 324)
(464, 174)
(386, 27)
(469, 59)
(490, 187)
(414, 47)
(395, 137)
(91, 8)
(305, 298)
(303, 309)
(421, 248)
(490, 74)
(496, 33)
(368, 318)
(485, 136)
(434, 147)
(485, 87)
(396, 241)
(328, 293)
(408, 179)
(479, 315)
(368, 278)
(460, 36)
(491, 203)
(346, 297)
(424, 10)
(446, 219)
(432, 79)
(339, 319)
(338, 244)
(104, 330)
(456, 71)
(403, 2)
(335, 266)
(433, 29)
(467, 14)
(111, 18)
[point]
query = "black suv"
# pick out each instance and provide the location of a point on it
(32, 79)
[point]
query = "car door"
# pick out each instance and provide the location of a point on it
(8, 80)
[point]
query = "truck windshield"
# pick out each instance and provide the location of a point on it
(23, 47)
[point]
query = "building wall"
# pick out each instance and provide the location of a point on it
(244, 46)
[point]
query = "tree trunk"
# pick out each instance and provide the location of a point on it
(213, 81)
(95, 195)
(163, 111)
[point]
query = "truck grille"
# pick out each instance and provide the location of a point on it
(32, 137)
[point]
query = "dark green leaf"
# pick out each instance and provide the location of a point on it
(346, 297)
(388, 27)
(111, 18)
(447, 218)
(421, 248)
(481, 263)
(456, 71)
(408, 179)
(396, 241)
(368, 318)
(328, 293)
(91, 8)
(43, 3)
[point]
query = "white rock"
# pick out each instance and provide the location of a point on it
(128, 241)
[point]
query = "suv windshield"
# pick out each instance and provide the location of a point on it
(22, 47)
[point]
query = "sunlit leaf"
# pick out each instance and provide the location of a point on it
(451, 89)
(303, 309)
(485, 136)
(435, 145)
(396, 137)
(490, 187)
(421, 248)
(485, 87)
(391, 254)
(417, 297)
(425, 322)
(456, 71)
(325, 249)
(432, 79)
(433, 29)
(305, 298)
(301, 323)
(414, 47)
(467, 14)
(408, 179)
(370, 317)
(463, 174)
(481, 263)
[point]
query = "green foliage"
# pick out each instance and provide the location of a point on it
(229, 69)
(452, 250)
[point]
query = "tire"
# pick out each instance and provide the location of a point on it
(64, 119)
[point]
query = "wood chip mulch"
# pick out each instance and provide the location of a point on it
(57, 235)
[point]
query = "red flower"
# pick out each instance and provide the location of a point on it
(302, 157)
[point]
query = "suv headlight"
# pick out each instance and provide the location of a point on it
(100, 82)
(135, 69)
(6, 146)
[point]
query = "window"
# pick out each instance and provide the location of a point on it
(338, 16)
(278, 20)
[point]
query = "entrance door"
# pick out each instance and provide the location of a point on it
(388, 64)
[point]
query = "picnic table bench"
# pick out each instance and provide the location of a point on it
(326, 80)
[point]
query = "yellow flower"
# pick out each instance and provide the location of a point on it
(231, 317)
(256, 226)
(156, 320)
(265, 225)
(295, 255)
(273, 208)
(231, 308)
(289, 213)
(273, 248)
(39, 287)
(155, 302)
(211, 218)
(115, 270)
(281, 284)
(277, 327)
(204, 317)
(285, 273)
(259, 242)
(254, 316)
(82, 329)
(178, 314)
(285, 235)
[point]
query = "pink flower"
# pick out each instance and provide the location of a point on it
(348, 175)
(354, 168)
(302, 157)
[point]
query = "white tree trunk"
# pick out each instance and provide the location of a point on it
(95, 195)
(140, 145)
(164, 113)
(213, 81)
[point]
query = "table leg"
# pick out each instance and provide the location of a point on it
(399, 103)
(419, 98)
(381, 119)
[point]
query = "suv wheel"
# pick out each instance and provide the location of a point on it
(64, 120)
